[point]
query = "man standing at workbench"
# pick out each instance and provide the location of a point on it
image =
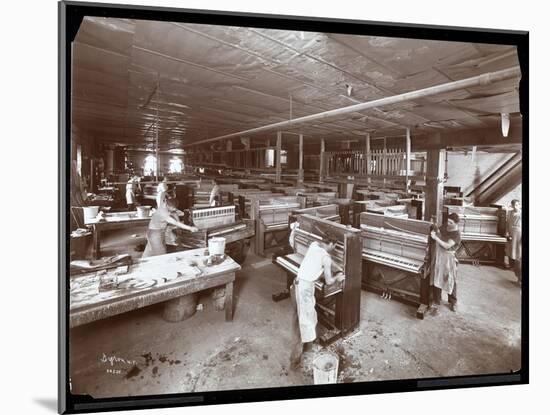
(317, 263)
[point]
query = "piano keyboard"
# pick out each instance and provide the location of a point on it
(394, 261)
(470, 236)
(227, 230)
(277, 226)
(292, 263)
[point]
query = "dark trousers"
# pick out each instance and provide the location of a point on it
(451, 297)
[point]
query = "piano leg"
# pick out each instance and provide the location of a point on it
(422, 309)
(283, 295)
(499, 260)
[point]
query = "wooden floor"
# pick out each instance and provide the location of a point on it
(206, 353)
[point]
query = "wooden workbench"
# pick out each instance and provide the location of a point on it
(149, 281)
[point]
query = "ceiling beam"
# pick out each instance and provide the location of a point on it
(488, 136)
(484, 79)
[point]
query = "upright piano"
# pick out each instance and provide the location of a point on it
(483, 232)
(217, 221)
(397, 259)
(241, 199)
(272, 217)
(338, 305)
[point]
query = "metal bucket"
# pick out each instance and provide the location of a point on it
(325, 368)
(90, 212)
(216, 246)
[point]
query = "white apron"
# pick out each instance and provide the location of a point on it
(514, 229)
(445, 269)
(130, 197)
(130, 194)
(305, 304)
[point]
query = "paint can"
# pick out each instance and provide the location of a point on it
(325, 368)
(90, 213)
(216, 246)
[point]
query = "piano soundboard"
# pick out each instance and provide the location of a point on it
(311, 198)
(213, 217)
(216, 221)
(329, 212)
(397, 258)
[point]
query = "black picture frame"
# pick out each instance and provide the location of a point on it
(70, 17)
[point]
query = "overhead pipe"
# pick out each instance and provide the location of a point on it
(479, 80)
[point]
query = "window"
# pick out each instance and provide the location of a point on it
(270, 158)
(150, 166)
(284, 156)
(176, 165)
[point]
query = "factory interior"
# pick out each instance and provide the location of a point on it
(206, 163)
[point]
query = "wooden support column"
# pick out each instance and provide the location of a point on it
(301, 159)
(246, 142)
(228, 150)
(322, 161)
(407, 159)
(435, 169)
(367, 156)
(157, 156)
(278, 157)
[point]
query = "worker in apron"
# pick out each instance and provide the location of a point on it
(156, 232)
(446, 263)
(513, 234)
(132, 187)
(317, 263)
(215, 196)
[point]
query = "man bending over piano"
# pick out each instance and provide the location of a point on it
(317, 263)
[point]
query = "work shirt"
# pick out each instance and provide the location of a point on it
(454, 235)
(314, 263)
(159, 219)
(162, 188)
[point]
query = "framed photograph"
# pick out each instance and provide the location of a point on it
(265, 207)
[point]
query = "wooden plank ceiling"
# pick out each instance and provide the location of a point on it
(202, 81)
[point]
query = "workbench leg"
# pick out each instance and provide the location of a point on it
(229, 301)
(96, 243)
